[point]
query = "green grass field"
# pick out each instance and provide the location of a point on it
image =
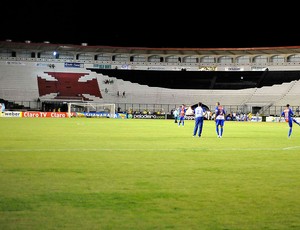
(103, 173)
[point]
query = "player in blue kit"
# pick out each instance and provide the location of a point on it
(182, 112)
(219, 119)
(288, 114)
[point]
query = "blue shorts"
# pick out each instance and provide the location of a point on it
(220, 122)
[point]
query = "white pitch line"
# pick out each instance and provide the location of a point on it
(291, 148)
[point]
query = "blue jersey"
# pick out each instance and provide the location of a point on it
(220, 113)
(182, 112)
(288, 114)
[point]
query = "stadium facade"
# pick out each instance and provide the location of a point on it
(253, 80)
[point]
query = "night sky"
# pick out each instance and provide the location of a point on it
(152, 24)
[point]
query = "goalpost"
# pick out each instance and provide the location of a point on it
(87, 109)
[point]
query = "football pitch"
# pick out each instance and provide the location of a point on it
(101, 173)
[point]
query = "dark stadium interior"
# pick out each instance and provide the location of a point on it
(202, 79)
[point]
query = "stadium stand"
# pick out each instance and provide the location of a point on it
(153, 78)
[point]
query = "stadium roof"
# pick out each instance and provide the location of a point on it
(85, 48)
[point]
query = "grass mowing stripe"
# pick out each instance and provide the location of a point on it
(149, 150)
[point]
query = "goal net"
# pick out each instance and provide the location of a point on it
(97, 110)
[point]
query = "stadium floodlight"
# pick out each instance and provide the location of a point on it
(87, 109)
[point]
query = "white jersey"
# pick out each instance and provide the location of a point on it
(199, 112)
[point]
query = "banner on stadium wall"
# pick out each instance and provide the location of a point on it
(11, 114)
(45, 114)
(73, 65)
(258, 68)
(276, 119)
(148, 116)
(15, 63)
(234, 68)
(207, 68)
(125, 66)
(94, 114)
(121, 115)
(272, 119)
(256, 119)
(101, 66)
(38, 114)
(156, 68)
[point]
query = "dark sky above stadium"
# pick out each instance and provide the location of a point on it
(153, 24)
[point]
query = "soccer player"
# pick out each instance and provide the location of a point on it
(288, 114)
(182, 111)
(199, 118)
(176, 114)
(219, 119)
